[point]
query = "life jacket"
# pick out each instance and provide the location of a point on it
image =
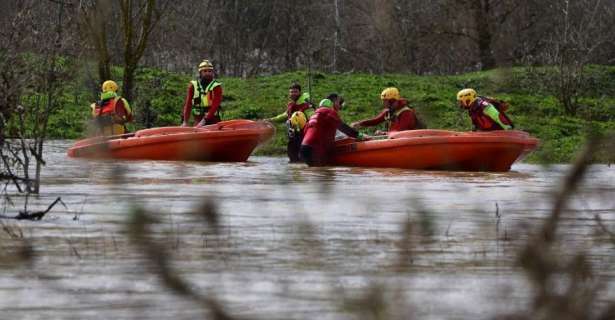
(483, 122)
(293, 107)
(392, 118)
(501, 105)
(301, 104)
(107, 108)
(203, 97)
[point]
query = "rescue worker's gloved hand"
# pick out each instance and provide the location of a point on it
(363, 137)
(205, 122)
(355, 125)
(380, 133)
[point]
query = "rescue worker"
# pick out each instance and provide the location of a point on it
(295, 118)
(318, 142)
(487, 114)
(397, 114)
(112, 112)
(203, 98)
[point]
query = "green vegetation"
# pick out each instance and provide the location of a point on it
(534, 107)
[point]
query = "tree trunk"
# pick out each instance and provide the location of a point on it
(104, 67)
(129, 81)
(482, 18)
(136, 42)
(336, 35)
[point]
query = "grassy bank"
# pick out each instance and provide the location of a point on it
(534, 108)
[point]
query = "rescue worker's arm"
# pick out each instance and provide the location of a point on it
(279, 118)
(188, 105)
(215, 103)
(349, 131)
(494, 114)
(380, 118)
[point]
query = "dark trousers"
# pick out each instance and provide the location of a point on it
(312, 156)
(306, 154)
(293, 147)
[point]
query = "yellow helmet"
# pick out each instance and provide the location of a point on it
(390, 94)
(466, 97)
(205, 65)
(298, 120)
(109, 85)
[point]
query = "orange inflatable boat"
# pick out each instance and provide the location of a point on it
(225, 141)
(438, 150)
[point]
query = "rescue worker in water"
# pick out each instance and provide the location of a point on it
(295, 117)
(318, 142)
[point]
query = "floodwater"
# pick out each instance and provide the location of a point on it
(294, 242)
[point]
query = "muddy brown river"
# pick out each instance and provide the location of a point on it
(294, 242)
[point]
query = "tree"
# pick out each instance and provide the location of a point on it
(94, 17)
(136, 18)
(581, 28)
(32, 68)
(139, 19)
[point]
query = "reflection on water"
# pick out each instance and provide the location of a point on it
(295, 242)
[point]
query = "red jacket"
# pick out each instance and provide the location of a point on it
(115, 108)
(406, 120)
(213, 107)
(320, 132)
(293, 107)
(483, 122)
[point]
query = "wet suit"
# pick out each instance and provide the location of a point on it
(319, 139)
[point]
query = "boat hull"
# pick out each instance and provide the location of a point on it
(438, 150)
(228, 141)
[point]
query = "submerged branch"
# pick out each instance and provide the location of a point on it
(36, 215)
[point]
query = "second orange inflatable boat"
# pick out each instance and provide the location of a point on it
(225, 141)
(438, 150)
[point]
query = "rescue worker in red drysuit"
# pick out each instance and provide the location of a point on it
(485, 116)
(203, 98)
(295, 118)
(398, 115)
(319, 139)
